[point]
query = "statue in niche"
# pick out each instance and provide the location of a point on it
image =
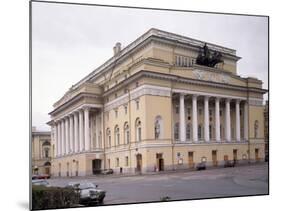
(157, 129)
(208, 58)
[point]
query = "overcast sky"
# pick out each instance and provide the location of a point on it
(69, 41)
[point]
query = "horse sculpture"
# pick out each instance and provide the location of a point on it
(207, 58)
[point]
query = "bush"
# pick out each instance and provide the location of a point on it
(53, 197)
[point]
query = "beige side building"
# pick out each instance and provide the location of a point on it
(164, 102)
(41, 155)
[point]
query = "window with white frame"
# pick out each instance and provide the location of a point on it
(117, 135)
(126, 133)
(138, 130)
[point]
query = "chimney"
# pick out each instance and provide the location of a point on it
(117, 48)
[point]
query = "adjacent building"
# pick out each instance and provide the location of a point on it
(266, 130)
(41, 152)
(164, 102)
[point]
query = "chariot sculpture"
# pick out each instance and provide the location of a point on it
(208, 58)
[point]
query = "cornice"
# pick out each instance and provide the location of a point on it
(72, 101)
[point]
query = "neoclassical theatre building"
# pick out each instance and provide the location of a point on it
(164, 102)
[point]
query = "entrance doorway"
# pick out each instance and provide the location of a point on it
(139, 163)
(160, 161)
(96, 166)
(214, 158)
(190, 160)
(257, 155)
(235, 155)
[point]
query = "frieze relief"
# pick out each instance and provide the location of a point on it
(209, 76)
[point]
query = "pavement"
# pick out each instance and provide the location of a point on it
(179, 185)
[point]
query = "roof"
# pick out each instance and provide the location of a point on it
(160, 34)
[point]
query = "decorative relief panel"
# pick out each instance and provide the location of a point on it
(149, 90)
(143, 90)
(209, 76)
(255, 102)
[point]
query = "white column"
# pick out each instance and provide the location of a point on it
(56, 139)
(71, 132)
(182, 119)
(66, 135)
(237, 120)
(59, 137)
(194, 118)
(86, 127)
(76, 133)
(81, 133)
(246, 121)
(101, 126)
(206, 119)
(227, 120)
(97, 131)
(218, 132)
(62, 137)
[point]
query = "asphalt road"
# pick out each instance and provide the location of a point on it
(237, 181)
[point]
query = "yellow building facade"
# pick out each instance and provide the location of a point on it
(153, 106)
(42, 152)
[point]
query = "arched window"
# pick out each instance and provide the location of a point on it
(158, 127)
(199, 132)
(47, 163)
(188, 131)
(256, 126)
(176, 131)
(138, 129)
(46, 143)
(117, 135)
(126, 133)
(108, 134)
(46, 152)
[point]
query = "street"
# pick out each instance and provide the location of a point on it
(222, 182)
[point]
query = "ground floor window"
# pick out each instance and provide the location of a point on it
(126, 161)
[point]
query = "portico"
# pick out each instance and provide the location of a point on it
(72, 132)
(223, 106)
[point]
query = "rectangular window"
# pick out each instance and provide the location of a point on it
(127, 136)
(126, 161)
(220, 112)
(137, 104)
(116, 113)
(139, 134)
(126, 109)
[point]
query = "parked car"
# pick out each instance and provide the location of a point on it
(229, 163)
(42, 182)
(201, 166)
(41, 176)
(107, 171)
(89, 193)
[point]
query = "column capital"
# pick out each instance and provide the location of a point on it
(237, 100)
(194, 97)
(206, 97)
(218, 98)
(182, 94)
(228, 100)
